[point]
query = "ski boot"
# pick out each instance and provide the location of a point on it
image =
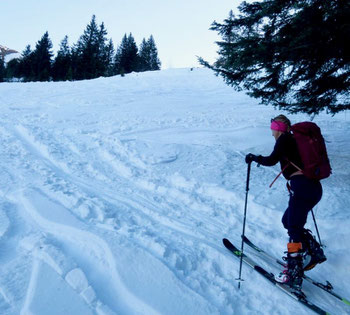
(293, 273)
(313, 253)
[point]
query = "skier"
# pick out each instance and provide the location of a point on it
(303, 251)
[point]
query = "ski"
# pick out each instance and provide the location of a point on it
(326, 287)
(297, 295)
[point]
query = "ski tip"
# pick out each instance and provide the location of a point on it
(225, 241)
(228, 244)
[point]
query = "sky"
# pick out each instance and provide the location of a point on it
(180, 28)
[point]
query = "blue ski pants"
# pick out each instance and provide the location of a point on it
(304, 195)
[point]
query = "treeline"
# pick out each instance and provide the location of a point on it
(91, 57)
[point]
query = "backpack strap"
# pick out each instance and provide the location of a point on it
(296, 166)
(279, 174)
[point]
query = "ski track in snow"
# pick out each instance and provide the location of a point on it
(117, 205)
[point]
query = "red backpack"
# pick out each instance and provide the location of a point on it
(312, 150)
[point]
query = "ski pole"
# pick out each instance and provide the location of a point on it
(318, 234)
(244, 220)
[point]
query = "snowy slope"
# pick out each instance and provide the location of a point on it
(116, 193)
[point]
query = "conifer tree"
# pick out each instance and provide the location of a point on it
(75, 63)
(13, 69)
(127, 59)
(102, 53)
(144, 54)
(62, 65)
(148, 54)
(26, 65)
(154, 62)
(41, 59)
(90, 55)
(87, 51)
(2, 70)
(109, 59)
(291, 54)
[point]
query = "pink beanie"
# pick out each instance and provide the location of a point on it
(279, 126)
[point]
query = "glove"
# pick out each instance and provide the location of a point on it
(249, 158)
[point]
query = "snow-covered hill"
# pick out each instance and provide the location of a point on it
(116, 193)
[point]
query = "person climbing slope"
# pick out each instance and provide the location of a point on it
(303, 251)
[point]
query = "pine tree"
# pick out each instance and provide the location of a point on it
(148, 54)
(62, 65)
(103, 57)
(13, 69)
(109, 59)
(291, 54)
(144, 54)
(154, 61)
(127, 59)
(87, 51)
(90, 54)
(76, 63)
(42, 59)
(2, 70)
(26, 65)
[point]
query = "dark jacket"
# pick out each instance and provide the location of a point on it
(285, 150)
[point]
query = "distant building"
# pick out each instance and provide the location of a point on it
(4, 51)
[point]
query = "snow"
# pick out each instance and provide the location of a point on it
(116, 194)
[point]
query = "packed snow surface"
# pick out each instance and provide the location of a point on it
(116, 194)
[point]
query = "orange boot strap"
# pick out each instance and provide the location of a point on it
(294, 247)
